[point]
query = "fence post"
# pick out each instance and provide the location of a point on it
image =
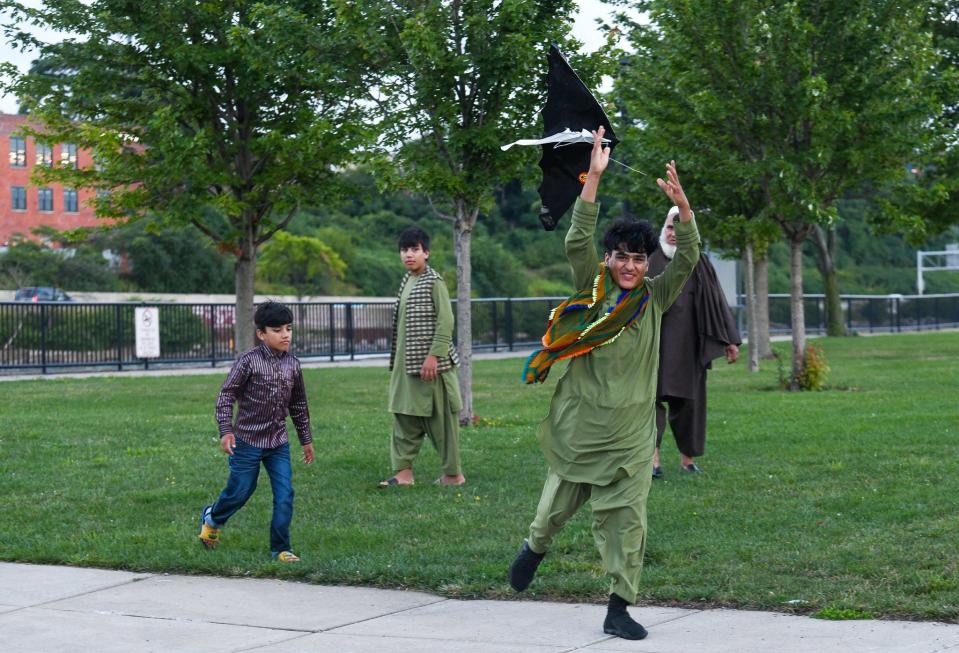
(495, 325)
(119, 317)
(509, 322)
(849, 316)
(212, 318)
(332, 332)
(43, 337)
(349, 330)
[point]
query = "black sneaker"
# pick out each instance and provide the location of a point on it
(657, 471)
(619, 623)
(523, 568)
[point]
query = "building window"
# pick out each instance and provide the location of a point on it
(19, 198)
(70, 200)
(68, 155)
(45, 199)
(18, 152)
(44, 155)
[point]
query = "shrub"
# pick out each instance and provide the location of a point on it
(813, 374)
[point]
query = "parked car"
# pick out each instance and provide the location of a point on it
(41, 294)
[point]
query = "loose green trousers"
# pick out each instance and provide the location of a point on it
(619, 523)
(443, 429)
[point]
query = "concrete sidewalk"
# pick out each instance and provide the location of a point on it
(57, 609)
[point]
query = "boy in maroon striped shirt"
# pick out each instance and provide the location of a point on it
(267, 384)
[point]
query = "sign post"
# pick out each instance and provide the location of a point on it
(146, 321)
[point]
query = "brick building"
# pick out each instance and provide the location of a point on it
(23, 204)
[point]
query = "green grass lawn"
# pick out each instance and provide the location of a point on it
(842, 503)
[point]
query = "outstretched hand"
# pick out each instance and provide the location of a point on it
(599, 157)
(598, 160)
(674, 191)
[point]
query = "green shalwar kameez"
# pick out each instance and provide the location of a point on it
(600, 432)
(425, 408)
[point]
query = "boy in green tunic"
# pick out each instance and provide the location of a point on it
(424, 392)
(600, 432)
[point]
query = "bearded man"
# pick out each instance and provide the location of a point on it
(697, 328)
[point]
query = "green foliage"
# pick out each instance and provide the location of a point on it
(171, 260)
(465, 75)
(815, 369)
(833, 613)
(28, 263)
(924, 200)
(779, 109)
(496, 273)
(306, 264)
(241, 106)
(812, 375)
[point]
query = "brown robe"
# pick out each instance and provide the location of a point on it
(695, 330)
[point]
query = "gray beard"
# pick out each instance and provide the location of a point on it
(668, 250)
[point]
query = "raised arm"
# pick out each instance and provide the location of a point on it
(667, 286)
(580, 248)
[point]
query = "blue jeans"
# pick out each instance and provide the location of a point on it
(244, 470)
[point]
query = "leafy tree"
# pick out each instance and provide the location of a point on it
(306, 264)
(236, 105)
(924, 200)
(462, 79)
(801, 102)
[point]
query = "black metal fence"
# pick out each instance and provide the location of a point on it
(47, 336)
(871, 313)
(50, 336)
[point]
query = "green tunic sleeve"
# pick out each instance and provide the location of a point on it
(580, 249)
(665, 288)
(444, 320)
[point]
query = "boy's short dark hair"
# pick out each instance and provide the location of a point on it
(413, 236)
(637, 236)
(272, 314)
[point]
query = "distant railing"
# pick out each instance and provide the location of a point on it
(51, 336)
(870, 313)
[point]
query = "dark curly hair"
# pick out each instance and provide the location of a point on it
(626, 234)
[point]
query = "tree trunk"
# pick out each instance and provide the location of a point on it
(825, 246)
(763, 342)
(752, 332)
(797, 311)
(245, 275)
(462, 237)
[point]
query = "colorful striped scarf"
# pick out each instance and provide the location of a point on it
(579, 324)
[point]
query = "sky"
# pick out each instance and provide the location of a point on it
(584, 29)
